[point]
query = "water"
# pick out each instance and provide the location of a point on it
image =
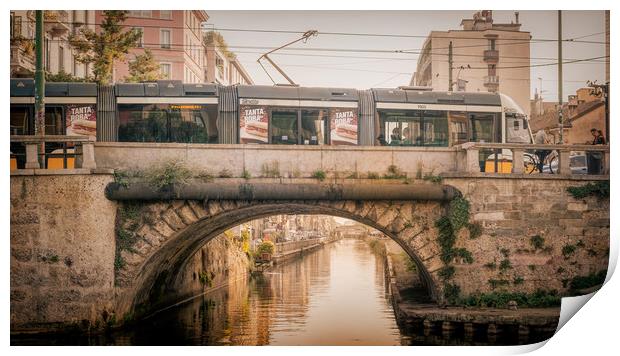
(333, 296)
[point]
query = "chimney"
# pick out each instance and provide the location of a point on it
(517, 17)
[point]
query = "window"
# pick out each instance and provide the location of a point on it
(414, 128)
(165, 14)
(141, 39)
(284, 126)
(458, 127)
(492, 44)
(313, 127)
(516, 129)
(165, 70)
(164, 38)
(219, 65)
(141, 13)
(483, 127)
(61, 59)
(16, 25)
(46, 53)
(168, 123)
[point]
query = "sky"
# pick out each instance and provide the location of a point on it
(353, 69)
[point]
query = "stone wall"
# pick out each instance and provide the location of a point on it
(547, 236)
(62, 250)
(218, 263)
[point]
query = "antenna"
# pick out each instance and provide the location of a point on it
(304, 38)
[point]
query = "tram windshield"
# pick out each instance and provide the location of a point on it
(517, 129)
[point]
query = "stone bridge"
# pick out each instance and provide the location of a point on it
(86, 246)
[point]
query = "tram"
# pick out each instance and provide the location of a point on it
(172, 111)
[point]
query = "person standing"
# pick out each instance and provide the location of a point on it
(595, 159)
(541, 139)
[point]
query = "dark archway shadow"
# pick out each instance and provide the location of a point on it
(160, 271)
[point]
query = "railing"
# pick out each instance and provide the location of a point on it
(491, 80)
(491, 55)
(53, 152)
(520, 158)
(285, 247)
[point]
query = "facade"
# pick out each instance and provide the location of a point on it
(175, 39)
(58, 56)
(223, 66)
(582, 112)
(480, 50)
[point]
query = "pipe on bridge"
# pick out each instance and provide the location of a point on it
(283, 191)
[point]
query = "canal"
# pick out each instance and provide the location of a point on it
(335, 295)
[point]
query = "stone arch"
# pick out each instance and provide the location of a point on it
(178, 229)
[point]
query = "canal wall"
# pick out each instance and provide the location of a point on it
(219, 262)
(62, 251)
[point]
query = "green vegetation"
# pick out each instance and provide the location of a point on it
(446, 272)
(589, 281)
(225, 173)
(353, 175)
(265, 247)
(580, 244)
(373, 175)
(538, 299)
(459, 213)
(144, 68)
(568, 250)
(491, 265)
(498, 283)
(409, 263)
(599, 189)
(505, 265)
(271, 170)
(505, 252)
(104, 47)
(531, 267)
(517, 280)
(537, 241)
(319, 174)
(393, 172)
(166, 174)
(246, 174)
(452, 292)
(475, 230)
(49, 258)
(121, 178)
(205, 176)
(378, 247)
(433, 178)
(206, 278)
(561, 270)
(592, 253)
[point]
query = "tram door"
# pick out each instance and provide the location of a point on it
(485, 129)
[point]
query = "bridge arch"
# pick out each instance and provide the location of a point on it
(170, 233)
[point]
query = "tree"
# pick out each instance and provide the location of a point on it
(144, 68)
(102, 49)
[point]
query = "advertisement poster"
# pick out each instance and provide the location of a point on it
(343, 124)
(81, 120)
(254, 124)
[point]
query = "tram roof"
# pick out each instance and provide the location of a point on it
(297, 93)
(25, 87)
(435, 97)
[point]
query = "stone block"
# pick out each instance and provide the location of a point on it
(173, 220)
(577, 206)
(491, 216)
(187, 215)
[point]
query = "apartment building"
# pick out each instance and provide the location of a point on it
(175, 39)
(486, 56)
(58, 55)
(223, 66)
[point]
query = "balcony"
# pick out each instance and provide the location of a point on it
(22, 60)
(56, 22)
(491, 82)
(491, 56)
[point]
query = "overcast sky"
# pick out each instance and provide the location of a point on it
(355, 69)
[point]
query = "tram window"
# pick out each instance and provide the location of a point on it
(20, 120)
(401, 127)
(192, 124)
(284, 126)
(54, 123)
(458, 127)
(142, 123)
(516, 129)
(313, 127)
(482, 127)
(435, 128)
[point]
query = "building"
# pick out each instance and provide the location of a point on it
(58, 56)
(583, 111)
(486, 56)
(175, 39)
(223, 66)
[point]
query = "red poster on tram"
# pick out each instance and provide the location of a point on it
(343, 123)
(253, 124)
(81, 120)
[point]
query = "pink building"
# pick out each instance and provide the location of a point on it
(175, 39)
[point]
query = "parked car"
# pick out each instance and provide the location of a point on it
(578, 164)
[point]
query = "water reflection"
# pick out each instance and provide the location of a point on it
(333, 296)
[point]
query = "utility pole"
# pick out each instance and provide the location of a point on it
(450, 67)
(39, 83)
(560, 117)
